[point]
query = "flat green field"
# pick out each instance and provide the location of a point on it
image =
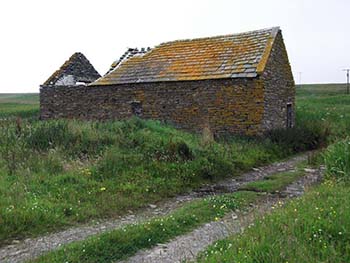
(19, 98)
(21, 105)
(327, 104)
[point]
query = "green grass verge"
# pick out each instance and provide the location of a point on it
(273, 182)
(121, 243)
(315, 228)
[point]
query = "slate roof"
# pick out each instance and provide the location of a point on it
(77, 66)
(242, 55)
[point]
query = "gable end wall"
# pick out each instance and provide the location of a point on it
(279, 87)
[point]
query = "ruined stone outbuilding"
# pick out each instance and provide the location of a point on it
(77, 70)
(240, 83)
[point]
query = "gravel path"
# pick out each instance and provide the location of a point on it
(186, 247)
(21, 250)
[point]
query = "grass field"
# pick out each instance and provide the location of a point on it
(22, 105)
(326, 104)
(57, 174)
(18, 98)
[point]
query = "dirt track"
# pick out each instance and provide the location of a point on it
(20, 251)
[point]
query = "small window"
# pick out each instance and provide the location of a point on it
(136, 108)
(289, 115)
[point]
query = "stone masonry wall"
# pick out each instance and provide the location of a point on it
(223, 106)
(279, 87)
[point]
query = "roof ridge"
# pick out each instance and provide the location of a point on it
(266, 54)
(272, 29)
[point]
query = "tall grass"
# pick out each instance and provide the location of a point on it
(337, 160)
(58, 173)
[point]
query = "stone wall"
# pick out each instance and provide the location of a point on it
(223, 106)
(279, 87)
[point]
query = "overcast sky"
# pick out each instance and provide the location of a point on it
(37, 36)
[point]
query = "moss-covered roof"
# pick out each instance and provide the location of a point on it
(242, 55)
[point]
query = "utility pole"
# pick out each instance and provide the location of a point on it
(347, 79)
(300, 79)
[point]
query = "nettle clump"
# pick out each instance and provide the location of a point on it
(300, 138)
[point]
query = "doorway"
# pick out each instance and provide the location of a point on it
(289, 115)
(136, 108)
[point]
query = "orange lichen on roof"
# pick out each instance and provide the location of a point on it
(241, 55)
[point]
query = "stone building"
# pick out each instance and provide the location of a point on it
(239, 83)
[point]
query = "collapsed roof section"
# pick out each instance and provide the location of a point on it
(75, 71)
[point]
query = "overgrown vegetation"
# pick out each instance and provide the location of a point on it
(58, 173)
(300, 138)
(316, 227)
(337, 160)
